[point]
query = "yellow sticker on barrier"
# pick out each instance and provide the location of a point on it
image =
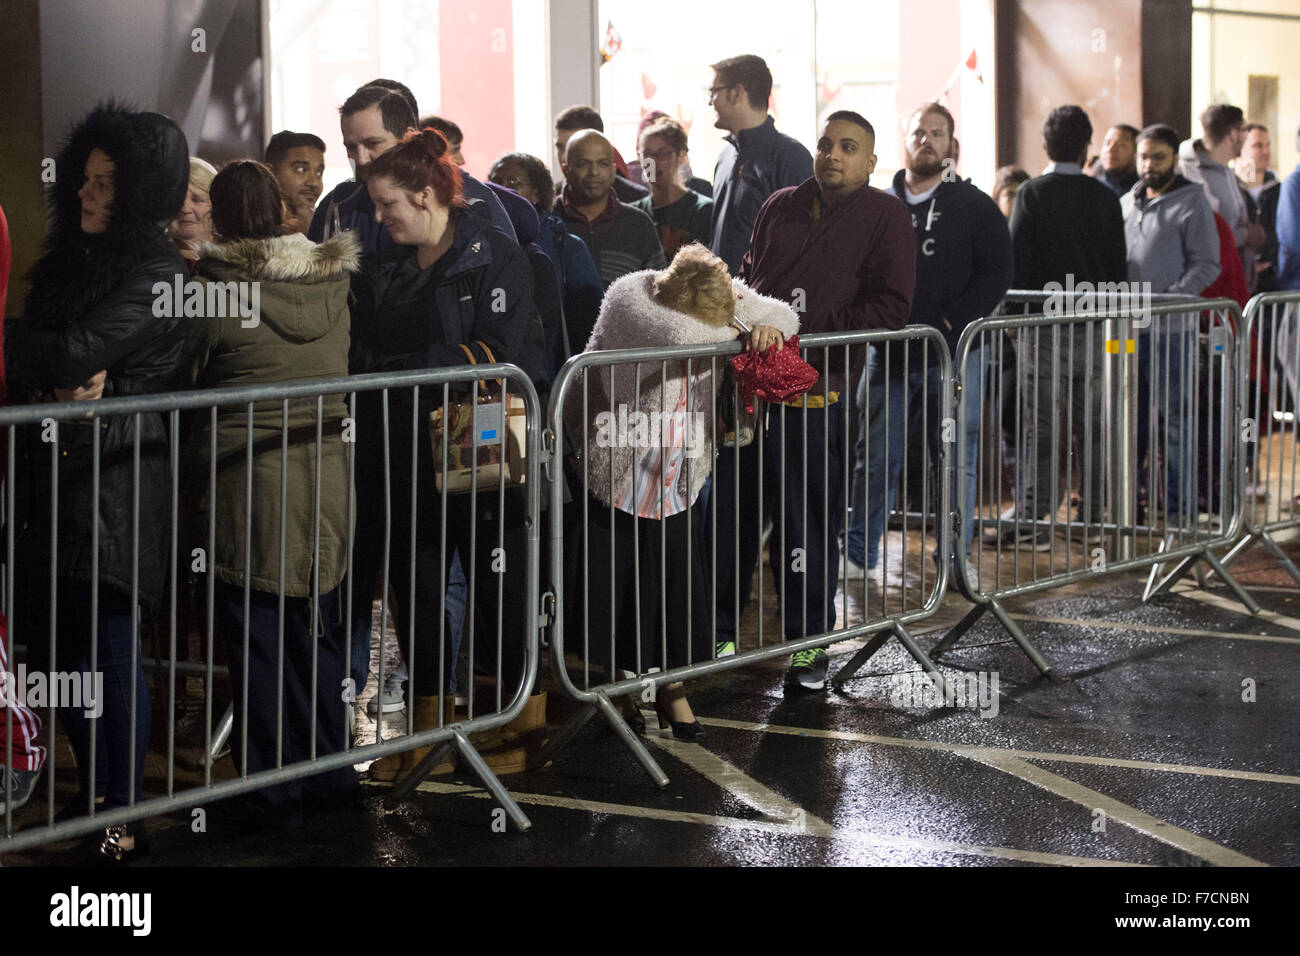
(1112, 346)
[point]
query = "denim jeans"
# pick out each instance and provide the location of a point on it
(362, 621)
(871, 504)
(111, 731)
(1168, 357)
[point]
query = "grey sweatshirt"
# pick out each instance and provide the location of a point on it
(1172, 240)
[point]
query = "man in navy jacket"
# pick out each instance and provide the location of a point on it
(843, 255)
(756, 160)
(963, 268)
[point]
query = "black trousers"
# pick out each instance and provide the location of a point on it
(803, 493)
(652, 578)
(331, 716)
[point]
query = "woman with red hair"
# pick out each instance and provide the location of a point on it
(453, 287)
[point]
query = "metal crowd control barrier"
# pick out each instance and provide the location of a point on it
(1270, 380)
(633, 602)
(1167, 375)
(252, 425)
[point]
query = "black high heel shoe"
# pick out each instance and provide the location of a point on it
(682, 730)
(104, 847)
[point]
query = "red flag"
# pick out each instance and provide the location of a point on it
(613, 43)
(972, 64)
(829, 92)
(647, 88)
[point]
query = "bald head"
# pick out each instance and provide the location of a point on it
(588, 165)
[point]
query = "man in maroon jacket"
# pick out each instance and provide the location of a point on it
(843, 254)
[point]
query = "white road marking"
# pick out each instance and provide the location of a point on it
(1131, 817)
(967, 750)
(1231, 604)
(739, 784)
(857, 837)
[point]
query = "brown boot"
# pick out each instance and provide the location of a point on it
(510, 749)
(395, 766)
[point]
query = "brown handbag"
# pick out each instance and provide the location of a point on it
(485, 442)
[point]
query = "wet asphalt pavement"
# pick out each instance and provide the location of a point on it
(1141, 749)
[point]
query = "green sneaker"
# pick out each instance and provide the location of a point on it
(808, 669)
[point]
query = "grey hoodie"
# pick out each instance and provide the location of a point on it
(1172, 240)
(1221, 187)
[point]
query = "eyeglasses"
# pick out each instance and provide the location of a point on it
(661, 156)
(713, 91)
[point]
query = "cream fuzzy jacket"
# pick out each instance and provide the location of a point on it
(630, 317)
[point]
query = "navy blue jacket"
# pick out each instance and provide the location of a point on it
(753, 164)
(963, 256)
(356, 211)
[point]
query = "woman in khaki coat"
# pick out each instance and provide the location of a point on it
(290, 321)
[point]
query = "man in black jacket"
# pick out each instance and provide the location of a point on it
(1066, 230)
(963, 268)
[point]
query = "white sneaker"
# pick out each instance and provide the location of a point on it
(389, 699)
(852, 570)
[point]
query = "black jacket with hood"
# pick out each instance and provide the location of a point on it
(91, 308)
(963, 256)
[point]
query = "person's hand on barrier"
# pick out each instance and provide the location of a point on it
(88, 390)
(764, 336)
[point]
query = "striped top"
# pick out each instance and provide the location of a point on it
(660, 469)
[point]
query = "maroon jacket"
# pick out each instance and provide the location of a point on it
(856, 264)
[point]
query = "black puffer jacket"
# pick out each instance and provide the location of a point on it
(91, 307)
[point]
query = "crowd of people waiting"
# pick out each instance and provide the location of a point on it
(416, 264)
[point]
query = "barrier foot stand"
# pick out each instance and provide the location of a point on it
(224, 728)
(864, 654)
(1157, 585)
(631, 740)
(1242, 594)
(490, 781)
(1019, 637)
(404, 787)
(1281, 555)
(1236, 551)
(958, 631)
(562, 736)
(921, 658)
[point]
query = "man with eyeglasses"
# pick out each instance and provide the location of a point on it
(755, 161)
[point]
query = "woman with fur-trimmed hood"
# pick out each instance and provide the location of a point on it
(649, 442)
(89, 330)
(300, 330)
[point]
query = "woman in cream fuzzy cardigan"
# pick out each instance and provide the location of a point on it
(648, 449)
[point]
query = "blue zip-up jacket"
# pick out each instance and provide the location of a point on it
(1288, 233)
(753, 164)
(356, 211)
(579, 281)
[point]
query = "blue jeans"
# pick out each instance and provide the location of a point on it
(870, 503)
(1168, 354)
(112, 732)
(362, 620)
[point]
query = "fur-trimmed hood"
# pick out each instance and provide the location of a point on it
(301, 286)
(292, 258)
(150, 177)
(151, 174)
